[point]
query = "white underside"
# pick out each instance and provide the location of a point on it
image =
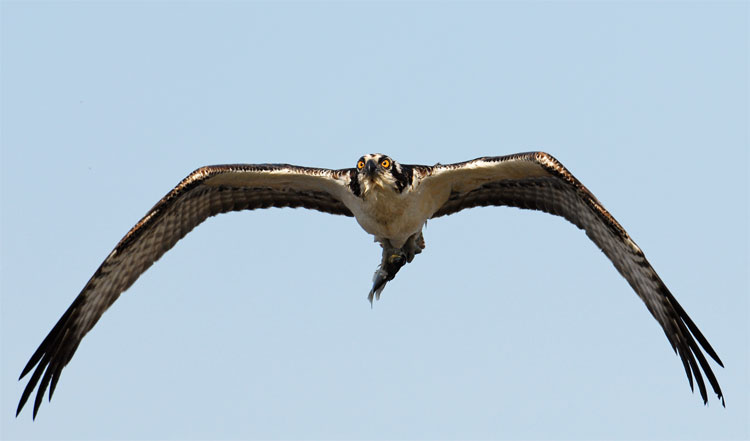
(393, 216)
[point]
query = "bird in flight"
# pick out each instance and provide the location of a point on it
(392, 202)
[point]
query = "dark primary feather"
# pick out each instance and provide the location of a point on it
(205, 192)
(558, 192)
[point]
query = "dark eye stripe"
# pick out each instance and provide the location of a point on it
(404, 175)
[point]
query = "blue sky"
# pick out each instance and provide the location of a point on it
(511, 324)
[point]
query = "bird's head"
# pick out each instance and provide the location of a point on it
(380, 171)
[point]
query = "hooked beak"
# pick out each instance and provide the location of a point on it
(370, 168)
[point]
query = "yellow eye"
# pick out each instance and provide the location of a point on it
(360, 165)
(385, 163)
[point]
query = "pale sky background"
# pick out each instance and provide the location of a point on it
(511, 324)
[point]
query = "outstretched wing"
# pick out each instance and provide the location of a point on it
(537, 181)
(206, 192)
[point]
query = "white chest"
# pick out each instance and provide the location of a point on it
(388, 214)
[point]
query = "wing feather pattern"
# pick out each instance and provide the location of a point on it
(537, 181)
(206, 192)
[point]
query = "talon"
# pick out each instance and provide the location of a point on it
(396, 259)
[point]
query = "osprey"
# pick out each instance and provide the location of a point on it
(392, 202)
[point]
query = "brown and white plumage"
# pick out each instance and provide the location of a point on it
(389, 200)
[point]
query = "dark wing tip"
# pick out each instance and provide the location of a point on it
(683, 336)
(50, 357)
(31, 385)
